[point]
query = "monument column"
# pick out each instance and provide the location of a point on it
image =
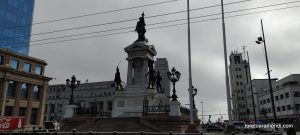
(145, 71)
(129, 71)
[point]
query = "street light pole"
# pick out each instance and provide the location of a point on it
(268, 70)
(226, 65)
(202, 112)
(190, 69)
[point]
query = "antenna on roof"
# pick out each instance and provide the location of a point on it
(244, 52)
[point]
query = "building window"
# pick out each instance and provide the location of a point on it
(36, 92)
(261, 102)
(22, 111)
(26, 67)
(38, 70)
(281, 96)
(287, 95)
(8, 111)
(264, 101)
(1, 60)
(11, 89)
(33, 118)
(278, 109)
(24, 90)
(268, 100)
(14, 64)
(276, 98)
(269, 110)
(283, 108)
(288, 107)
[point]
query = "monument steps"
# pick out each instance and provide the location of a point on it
(158, 122)
(113, 124)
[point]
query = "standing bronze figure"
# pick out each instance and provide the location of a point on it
(151, 74)
(140, 29)
(118, 80)
(158, 82)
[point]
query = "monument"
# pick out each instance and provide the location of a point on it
(140, 78)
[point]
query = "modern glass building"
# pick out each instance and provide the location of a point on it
(15, 17)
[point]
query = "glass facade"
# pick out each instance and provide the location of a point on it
(15, 15)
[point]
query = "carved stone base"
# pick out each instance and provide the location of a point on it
(174, 108)
(69, 111)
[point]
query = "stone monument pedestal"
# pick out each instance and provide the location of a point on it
(195, 114)
(174, 108)
(69, 111)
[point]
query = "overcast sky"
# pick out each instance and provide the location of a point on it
(96, 58)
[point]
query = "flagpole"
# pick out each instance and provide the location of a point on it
(226, 66)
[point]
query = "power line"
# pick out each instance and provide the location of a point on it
(92, 14)
(124, 28)
(170, 25)
(122, 21)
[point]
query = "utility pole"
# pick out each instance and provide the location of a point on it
(226, 66)
(252, 94)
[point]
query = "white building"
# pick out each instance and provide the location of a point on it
(258, 86)
(96, 96)
(286, 94)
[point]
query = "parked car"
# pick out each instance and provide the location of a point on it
(213, 127)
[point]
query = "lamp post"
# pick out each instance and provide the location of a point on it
(259, 41)
(202, 112)
(174, 76)
(72, 84)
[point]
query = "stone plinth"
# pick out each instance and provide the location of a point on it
(174, 108)
(195, 113)
(130, 101)
(69, 111)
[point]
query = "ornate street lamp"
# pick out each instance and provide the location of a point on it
(72, 85)
(174, 76)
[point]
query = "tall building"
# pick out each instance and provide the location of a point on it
(96, 97)
(15, 19)
(23, 87)
(239, 76)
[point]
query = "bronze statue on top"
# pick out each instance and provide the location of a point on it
(118, 80)
(151, 73)
(140, 29)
